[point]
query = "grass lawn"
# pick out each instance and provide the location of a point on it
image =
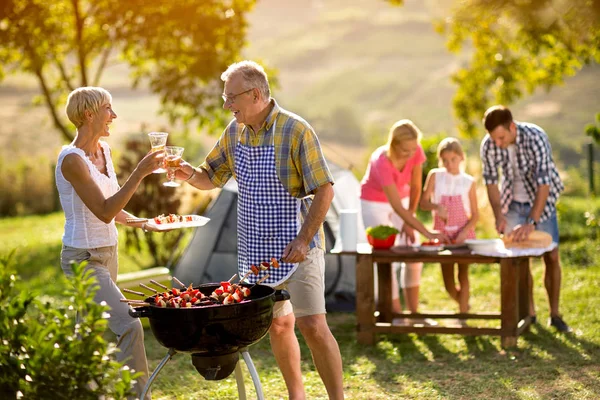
(544, 365)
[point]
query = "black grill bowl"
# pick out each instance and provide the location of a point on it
(214, 330)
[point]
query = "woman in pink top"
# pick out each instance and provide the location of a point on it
(390, 193)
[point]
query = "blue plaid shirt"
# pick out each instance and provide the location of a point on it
(534, 158)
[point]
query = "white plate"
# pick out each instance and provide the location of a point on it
(485, 244)
(432, 249)
(196, 221)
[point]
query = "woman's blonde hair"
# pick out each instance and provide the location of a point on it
(87, 98)
(449, 144)
(401, 131)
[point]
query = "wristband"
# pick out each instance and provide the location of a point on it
(531, 221)
(192, 175)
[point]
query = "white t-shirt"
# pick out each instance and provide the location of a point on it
(83, 230)
(519, 191)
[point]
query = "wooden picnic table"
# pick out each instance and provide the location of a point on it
(514, 294)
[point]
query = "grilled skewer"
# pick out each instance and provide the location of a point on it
(148, 288)
(134, 292)
(135, 220)
(158, 284)
(261, 280)
(179, 283)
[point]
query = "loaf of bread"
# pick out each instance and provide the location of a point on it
(535, 240)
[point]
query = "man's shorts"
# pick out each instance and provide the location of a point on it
(306, 287)
(517, 215)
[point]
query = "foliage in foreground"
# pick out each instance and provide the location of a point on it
(46, 354)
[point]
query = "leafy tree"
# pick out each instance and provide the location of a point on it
(179, 48)
(518, 46)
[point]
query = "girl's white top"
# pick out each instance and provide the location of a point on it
(83, 230)
(447, 184)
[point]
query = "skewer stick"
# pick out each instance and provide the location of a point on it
(245, 276)
(232, 278)
(134, 292)
(139, 304)
(158, 284)
(177, 281)
(261, 280)
(131, 301)
(148, 288)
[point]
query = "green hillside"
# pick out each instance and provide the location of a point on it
(351, 68)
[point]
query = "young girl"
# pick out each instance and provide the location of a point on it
(450, 194)
(390, 192)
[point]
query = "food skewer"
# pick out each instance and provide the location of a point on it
(148, 288)
(134, 292)
(131, 301)
(177, 281)
(261, 280)
(158, 284)
(232, 278)
(135, 220)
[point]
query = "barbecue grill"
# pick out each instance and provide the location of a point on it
(214, 335)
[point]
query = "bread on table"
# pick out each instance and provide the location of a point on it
(536, 239)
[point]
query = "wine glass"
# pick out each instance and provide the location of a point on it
(158, 140)
(172, 161)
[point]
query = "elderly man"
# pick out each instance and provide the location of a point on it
(530, 189)
(285, 189)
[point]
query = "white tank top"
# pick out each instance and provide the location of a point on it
(447, 184)
(83, 230)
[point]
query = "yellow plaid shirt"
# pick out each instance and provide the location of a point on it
(300, 164)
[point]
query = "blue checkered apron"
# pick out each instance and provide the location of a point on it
(268, 216)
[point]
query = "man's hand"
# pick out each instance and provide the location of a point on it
(521, 232)
(500, 224)
(184, 172)
(295, 251)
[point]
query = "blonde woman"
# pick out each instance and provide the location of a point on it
(93, 201)
(390, 193)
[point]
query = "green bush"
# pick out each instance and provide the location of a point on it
(46, 354)
(27, 187)
(578, 218)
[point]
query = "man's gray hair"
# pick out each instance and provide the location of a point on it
(253, 74)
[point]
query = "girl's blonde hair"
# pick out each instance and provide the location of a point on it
(87, 98)
(449, 144)
(401, 131)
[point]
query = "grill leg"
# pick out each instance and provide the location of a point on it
(239, 378)
(253, 374)
(165, 360)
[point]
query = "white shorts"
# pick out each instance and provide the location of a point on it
(306, 287)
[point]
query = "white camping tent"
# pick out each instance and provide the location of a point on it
(212, 253)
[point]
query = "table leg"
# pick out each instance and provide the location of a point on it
(509, 304)
(365, 299)
(384, 284)
(524, 293)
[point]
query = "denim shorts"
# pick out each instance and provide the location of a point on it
(517, 215)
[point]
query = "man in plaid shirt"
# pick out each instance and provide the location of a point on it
(530, 189)
(284, 192)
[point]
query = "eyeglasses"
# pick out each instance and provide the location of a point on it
(231, 99)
